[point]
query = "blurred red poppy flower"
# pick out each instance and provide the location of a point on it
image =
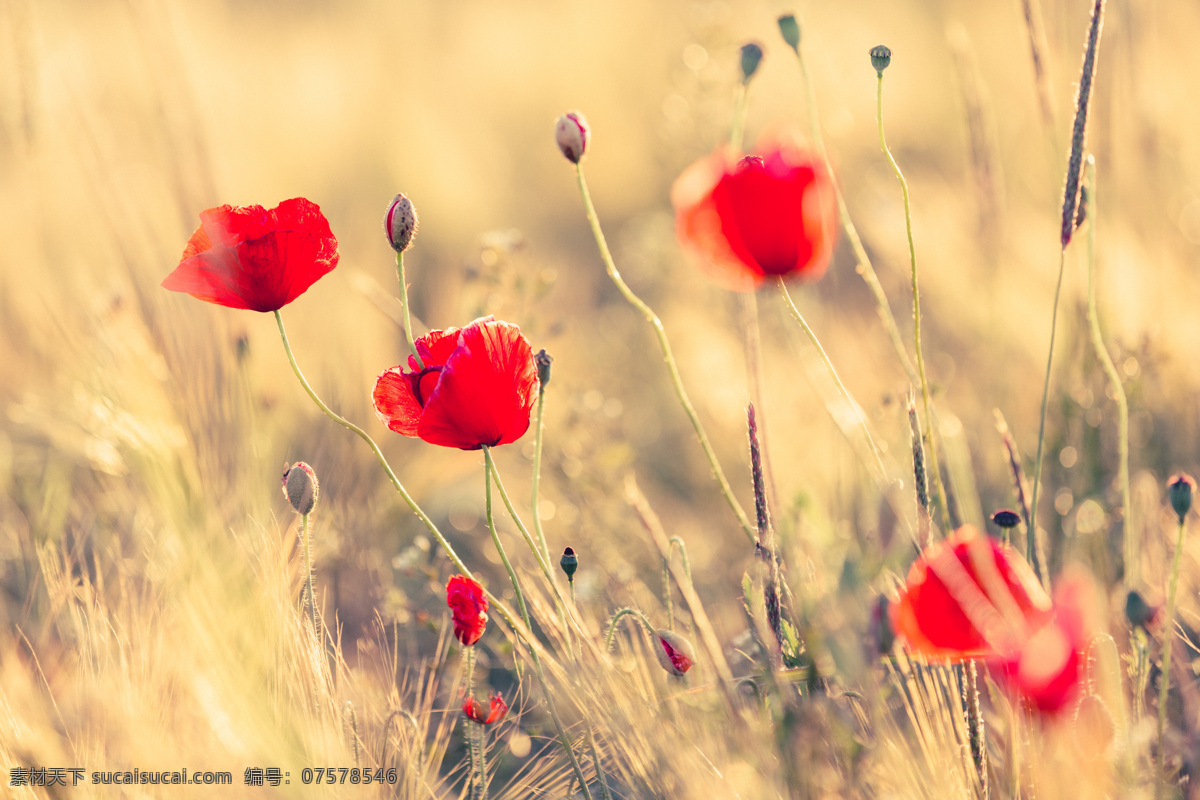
(969, 597)
(674, 652)
(476, 390)
(761, 217)
(254, 258)
(497, 708)
(468, 608)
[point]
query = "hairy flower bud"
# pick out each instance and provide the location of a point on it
(543, 360)
(674, 652)
(1179, 490)
(572, 134)
(300, 487)
(881, 56)
(790, 30)
(400, 223)
(569, 563)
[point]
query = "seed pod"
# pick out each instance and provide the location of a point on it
(752, 56)
(1179, 490)
(790, 30)
(881, 56)
(569, 563)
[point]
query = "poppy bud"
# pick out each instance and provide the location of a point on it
(300, 487)
(752, 56)
(1006, 519)
(572, 134)
(1179, 491)
(543, 360)
(790, 30)
(569, 563)
(497, 708)
(1138, 611)
(400, 223)
(882, 635)
(881, 56)
(674, 652)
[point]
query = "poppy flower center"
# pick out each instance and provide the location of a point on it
(424, 382)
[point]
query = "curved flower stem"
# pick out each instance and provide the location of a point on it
(740, 107)
(812, 337)
(537, 473)
(1132, 555)
(1168, 638)
(860, 253)
(503, 609)
(306, 535)
(1034, 545)
(404, 308)
(672, 367)
(488, 472)
(620, 615)
(930, 433)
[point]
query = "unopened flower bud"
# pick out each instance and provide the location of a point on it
(572, 134)
(881, 56)
(300, 487)
(752, 56)
(882, 635)
(400, 223)
(790, 30)
(1138, 611)
(569, 563)
(542, 359)
(496, 710)
(674, 652)
(1006, 519)
(1179, 490)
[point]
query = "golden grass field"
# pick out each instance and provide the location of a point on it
(152, 578)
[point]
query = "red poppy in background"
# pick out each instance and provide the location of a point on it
(765, 216)
(497, 708)
(968, 597)
(476, 390)
(253, 258)
(468, 608)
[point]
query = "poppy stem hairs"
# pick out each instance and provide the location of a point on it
(668, 356)
(1180, 490)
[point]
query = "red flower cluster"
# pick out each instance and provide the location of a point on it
(477, 387)
(253, 258)
(497, 708)
(765, 216)
(970, 597)
(468, 608)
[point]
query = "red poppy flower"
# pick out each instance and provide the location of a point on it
(497, 708)
(468, 608)
(477, 389)
(761, 217)
(674, 652)
(253, 258)
(967, 597)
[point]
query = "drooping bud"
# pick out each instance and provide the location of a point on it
(400, 223)
(674, 652)
(1006, 518)
(572, 134)
(300, 487)
(1179, 490)
(1138, 611)
(790, 30)
(543, 360)
(881, 56)
(497, 708)
(752, 56)
(569, 563)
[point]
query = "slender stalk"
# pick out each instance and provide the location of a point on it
(934, 465)
(591, 740)
(620, 615)
(537, 473)
(856, 246)
(308, 569)
(1168, 639)
(404, 309)
(488, 471)
(1132, 555)
(741, 105)
(1034, 546)
(668, 356)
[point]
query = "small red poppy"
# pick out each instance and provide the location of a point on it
(761, 217)
(497, 708)
(477, 389)
(968, 597)
(253, 258)
(468, 608)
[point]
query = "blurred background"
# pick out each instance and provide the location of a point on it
(142, 433)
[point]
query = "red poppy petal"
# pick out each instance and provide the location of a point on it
(486, 392)
(395, 403)
(698, 224)
(435, 348)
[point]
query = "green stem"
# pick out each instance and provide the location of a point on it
(683, 556)
(860, 253)
(1168, 639)
(312, 598)
(930, 433)
(665, 346)
(1034, 546)
(488, 472)
(404, 309)
(666, 583)
(1132, 556)
(537, 473)
(620, 615)
(740, 107)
